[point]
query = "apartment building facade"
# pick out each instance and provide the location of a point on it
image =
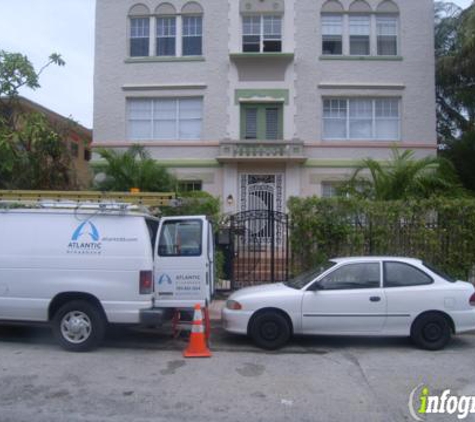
(256, 101)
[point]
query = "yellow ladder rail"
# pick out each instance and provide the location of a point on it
(140, 198)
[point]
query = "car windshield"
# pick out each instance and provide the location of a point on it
(440, 273)
(303, 279)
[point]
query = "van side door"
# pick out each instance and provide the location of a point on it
(181, 262)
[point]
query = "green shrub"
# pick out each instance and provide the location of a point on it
(440, 231)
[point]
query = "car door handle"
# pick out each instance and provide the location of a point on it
(374, 298)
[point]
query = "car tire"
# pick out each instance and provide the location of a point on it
(79, 326)
(431, 331)
(270, 330)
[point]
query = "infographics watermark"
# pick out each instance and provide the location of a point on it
(422, 402)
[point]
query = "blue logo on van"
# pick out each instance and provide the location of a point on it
(81, 231)
(165, 278)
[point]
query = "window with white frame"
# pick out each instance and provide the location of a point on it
(166, 36)
(139, 37)
(386, 32)
(361, 118)
(164, 118)
(262, 33)
(360, 31)
(332, 34)
(331, 189)
(192, 35)
(361, 39)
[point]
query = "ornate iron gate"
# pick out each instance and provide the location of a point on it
(260, 242)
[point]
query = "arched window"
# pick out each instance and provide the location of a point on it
(360, 28)
(332, 28)
(166, 30)
(139, 24)
(387, 28)
(192, 23)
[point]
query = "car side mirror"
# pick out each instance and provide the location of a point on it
(315, 287)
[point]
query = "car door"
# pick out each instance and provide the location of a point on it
(408, 291)
(348, 300)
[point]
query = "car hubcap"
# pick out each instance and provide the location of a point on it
(76, 327)
(270, 330)
(432, 332)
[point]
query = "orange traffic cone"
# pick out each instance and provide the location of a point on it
(197, 347)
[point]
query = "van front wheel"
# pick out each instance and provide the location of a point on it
(78, 326)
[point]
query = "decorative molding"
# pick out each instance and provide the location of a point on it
(371, 144)
(361, 86)
(155, 59)
(363, 58)
(157, 87)
(261, 95)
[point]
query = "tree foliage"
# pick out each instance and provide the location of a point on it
(455, 53)
(133, 168)
(34, 154)
(403, 177)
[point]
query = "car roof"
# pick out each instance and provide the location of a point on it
(376, 258)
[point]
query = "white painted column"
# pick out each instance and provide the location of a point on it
(230, 187)
(292, 181)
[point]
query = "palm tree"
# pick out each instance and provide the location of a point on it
(403, 177)
(133, 168)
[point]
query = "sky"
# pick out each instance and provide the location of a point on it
(38, 28)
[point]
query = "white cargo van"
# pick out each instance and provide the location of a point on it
(81, 268)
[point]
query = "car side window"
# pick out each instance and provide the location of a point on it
(399, 274)
(353, 276)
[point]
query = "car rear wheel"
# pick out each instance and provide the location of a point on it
(431, 331)
(270, 330)
(78, 326)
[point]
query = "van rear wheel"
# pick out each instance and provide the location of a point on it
(79, 326)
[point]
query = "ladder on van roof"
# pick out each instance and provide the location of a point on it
(153, 199)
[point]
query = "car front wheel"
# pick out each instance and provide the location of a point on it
(270, 330)
(78, 326)
(431, 332)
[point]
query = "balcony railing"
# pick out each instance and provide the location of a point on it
(261, 150)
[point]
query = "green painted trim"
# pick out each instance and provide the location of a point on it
(250, 93)
(191, 163)
(364, 58)
(172, 163)
(261, 56)
(165, 59)
(337, 163)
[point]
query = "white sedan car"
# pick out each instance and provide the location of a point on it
(381, 296)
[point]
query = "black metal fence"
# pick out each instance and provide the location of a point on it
(259, 248)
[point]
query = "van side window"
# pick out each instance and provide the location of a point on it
(180, 238)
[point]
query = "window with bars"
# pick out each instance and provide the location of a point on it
(164, 118)
(332, 34)
(386, 32)
(360, 31)
(361, 118)
(192, 35)
(262, 33)
(262, 121)
(139, 37)
(166, 36)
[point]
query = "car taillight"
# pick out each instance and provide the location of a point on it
(146, 282)
(472, 300)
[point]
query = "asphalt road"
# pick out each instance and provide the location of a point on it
(141, 376)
